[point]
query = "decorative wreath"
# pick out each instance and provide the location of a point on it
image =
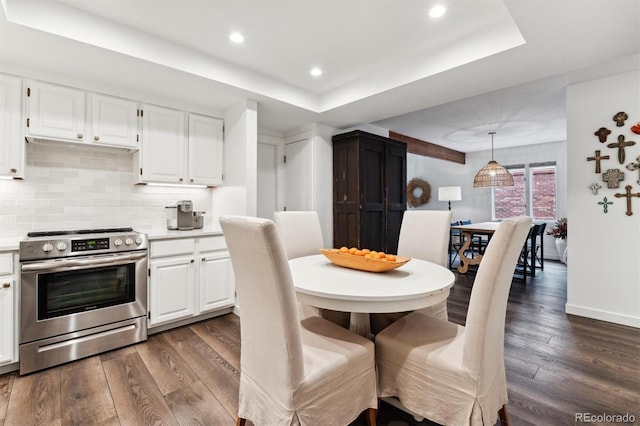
(418, 192)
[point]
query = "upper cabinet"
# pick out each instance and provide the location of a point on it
(11, 140)
(180, 148)
(114, 121)
(163, 153)
(205, 150)
(72, 115)
(56, 112)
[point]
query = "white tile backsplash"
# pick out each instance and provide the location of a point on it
(67, 186)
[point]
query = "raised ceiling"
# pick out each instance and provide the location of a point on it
(485, 65)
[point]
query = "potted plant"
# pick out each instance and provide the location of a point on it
(559, 232)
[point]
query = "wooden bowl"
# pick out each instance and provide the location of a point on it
(362, 263)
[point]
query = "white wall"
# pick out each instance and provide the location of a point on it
(604, 255)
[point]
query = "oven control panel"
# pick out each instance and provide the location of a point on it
(87, 245)
(90, 244)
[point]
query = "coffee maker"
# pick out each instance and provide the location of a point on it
(180, 216)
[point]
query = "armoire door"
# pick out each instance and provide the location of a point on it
(396, 184)
(372, 194)
(346, 198)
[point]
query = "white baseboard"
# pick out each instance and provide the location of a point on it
(598, 314)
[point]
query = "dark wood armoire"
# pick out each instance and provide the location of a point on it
(369, 190)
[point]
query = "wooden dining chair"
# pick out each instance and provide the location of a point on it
(301, 235)
(292, 372)
(453, 374)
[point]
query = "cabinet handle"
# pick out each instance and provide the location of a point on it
(14, 170)
(180, 179)
(6, 285)
(192, 261)
(191, 180)
(204, 258)
(80, 135)
(96, 138)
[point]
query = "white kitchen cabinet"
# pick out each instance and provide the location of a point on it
(189, 277)
(180, 148)
(114, 121)
(162, 155)
(11, 140)
(215, 281)
(56, 112)
(205, 150)
(8, 340)
(171, 289)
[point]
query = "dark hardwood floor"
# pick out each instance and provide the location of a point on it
(557, 365)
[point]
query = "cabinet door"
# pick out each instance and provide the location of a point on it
(164, 145)
(171, 289)
(7, 320)
(216, 281)
(56, 112)
(372, 194)
(346, 199)
(11, 141)
(114, 121)
(205, 150)
(396, 191)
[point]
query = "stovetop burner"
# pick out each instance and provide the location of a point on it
(77, 232)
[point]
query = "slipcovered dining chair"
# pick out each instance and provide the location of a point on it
(301, 235)
(300, 232)
(292, 372)
(424, 234)
(453, 374)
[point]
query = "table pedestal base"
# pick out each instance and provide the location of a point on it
(359, 324)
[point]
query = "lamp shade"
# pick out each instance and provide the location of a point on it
(449, 193)
(493, 174)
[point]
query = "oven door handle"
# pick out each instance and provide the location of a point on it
(93, 262)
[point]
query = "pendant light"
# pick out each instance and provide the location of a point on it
(493, 174)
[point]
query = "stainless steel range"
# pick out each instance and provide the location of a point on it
(82, 292)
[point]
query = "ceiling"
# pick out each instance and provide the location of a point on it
(486, 65)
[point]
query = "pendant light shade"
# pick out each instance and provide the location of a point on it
(493, 174)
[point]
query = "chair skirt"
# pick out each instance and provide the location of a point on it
(419, 360)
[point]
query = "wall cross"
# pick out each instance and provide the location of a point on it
(621, 144)
(635, 166)
(597, 159)
(628, 196)
(613, 178)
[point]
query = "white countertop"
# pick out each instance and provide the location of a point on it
(163, 234)
(10, 244)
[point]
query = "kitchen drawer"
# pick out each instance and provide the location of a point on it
(173, 247)
(6, 263)
(212, 243)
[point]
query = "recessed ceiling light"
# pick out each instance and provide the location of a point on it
(316, 72)
(236, 37)
(437, 11)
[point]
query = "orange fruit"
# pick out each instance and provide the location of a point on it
(391, 257)
(359, 253)
(343, 249)
(352, 250)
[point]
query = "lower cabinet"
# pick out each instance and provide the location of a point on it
(188, 277)
(8, 317)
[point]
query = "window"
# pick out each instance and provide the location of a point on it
(533, 193)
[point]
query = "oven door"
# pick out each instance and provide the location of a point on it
(68, 295)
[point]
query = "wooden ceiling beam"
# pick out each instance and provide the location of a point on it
(428, 149)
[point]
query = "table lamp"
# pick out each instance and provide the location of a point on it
(449, 193)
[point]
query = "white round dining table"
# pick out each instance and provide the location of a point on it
(416, 284)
